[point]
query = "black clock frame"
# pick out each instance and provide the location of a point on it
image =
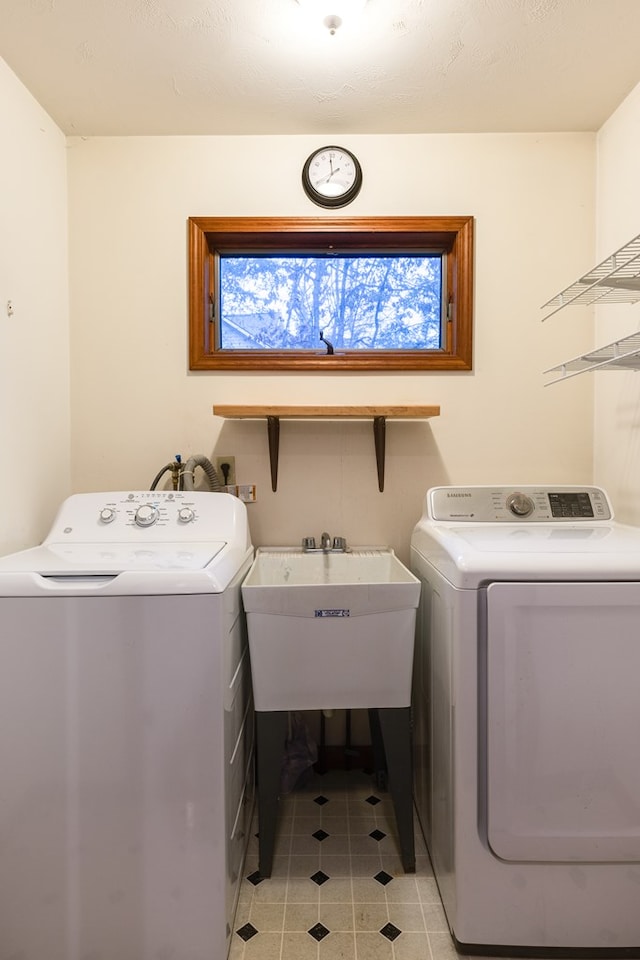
(331, 203)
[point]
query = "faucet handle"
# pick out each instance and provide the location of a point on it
(339, 543)
(308, 543)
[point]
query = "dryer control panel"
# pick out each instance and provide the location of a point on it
(528, 504)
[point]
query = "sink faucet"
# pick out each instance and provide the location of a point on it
(327, 545)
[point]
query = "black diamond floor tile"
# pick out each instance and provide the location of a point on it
(390, 932)
(373, 800)
(321, 878)
(255, 878)
(319, 932)
(321, 800)
(246, 932)
(377, 835)
(383, 877)
(320, 835)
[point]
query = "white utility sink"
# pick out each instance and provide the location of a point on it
(330, 630)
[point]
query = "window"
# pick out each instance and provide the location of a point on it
(330, 294)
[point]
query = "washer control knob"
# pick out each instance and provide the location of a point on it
(185, 515)
(107, 515)
(520, 504)
(146, 515)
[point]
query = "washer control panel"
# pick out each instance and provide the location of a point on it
(148, 508)
(518, 504)
(149, 515)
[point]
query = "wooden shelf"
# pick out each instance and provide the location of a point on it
(258, 412)
(273, 415)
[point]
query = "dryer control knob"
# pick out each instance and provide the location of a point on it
(520, 504)
(146, 515)
(107, 515)
(185, 515)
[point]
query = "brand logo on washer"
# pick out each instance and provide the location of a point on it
(458, 494)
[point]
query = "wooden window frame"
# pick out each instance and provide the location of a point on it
(209, 236)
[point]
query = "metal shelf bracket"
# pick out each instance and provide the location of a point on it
(379, 416)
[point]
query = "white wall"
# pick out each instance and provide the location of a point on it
(135, 404)
(34, 342)
(617, 410)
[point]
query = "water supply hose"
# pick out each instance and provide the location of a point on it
(187, 473)
(175, 466)
(182, 474)
(159, 475)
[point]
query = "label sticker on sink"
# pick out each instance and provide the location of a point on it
(333, 613)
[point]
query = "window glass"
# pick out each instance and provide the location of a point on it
(346, 302)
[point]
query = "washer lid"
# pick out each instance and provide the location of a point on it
(111, 559)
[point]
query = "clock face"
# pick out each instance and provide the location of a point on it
(332, 177)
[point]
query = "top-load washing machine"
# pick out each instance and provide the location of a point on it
(126, 731)
(527, 718)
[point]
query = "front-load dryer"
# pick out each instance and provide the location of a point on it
(527, 718)
(126, 730)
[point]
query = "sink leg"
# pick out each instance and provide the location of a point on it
(271, 734)
(395, 726)
(377, 748)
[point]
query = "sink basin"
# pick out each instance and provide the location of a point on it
(330, 630)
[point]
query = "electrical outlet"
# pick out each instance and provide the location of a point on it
(226, 470)
(244, 491)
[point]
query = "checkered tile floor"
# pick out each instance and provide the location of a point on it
(338, 890)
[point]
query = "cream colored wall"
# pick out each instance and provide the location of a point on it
(34, 342)
(135, 404)
(617, 408)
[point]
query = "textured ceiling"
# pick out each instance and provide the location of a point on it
(133, 67)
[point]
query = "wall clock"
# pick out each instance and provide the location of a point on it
(332, 177)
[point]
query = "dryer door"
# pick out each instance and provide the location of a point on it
(563, 721)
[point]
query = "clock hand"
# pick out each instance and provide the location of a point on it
(328, 177)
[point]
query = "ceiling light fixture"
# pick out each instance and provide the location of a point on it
(332, 21)
(332, 13)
